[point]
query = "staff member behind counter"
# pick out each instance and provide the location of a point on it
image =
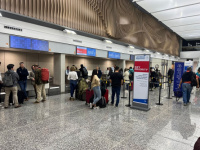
(23, 73)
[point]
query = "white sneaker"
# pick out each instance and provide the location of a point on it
(96, 107)
(91, 105)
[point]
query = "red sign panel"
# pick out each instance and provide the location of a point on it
(81, 51)
(141, 66)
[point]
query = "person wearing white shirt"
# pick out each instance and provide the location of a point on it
(73, 77)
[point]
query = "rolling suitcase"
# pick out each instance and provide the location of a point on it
(107, 95)
(89, 94)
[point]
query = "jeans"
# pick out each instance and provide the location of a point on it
(187, 88)
(73, 84)
(97, 94)
(115, 90)
(23, 85)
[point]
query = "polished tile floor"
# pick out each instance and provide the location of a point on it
(62, 124)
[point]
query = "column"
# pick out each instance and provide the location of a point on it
(59, 71)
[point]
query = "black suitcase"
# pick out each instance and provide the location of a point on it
(20, 96)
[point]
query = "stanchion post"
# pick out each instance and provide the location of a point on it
(129, 102)
(160, 89)
(124, 90)
(169, 90)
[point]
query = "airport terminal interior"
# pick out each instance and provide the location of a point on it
(99, 75)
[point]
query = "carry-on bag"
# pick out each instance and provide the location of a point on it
(89, 94)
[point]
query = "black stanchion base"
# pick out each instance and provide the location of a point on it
(123, 97)
(128, 105)
(168, 97)
(159, 104)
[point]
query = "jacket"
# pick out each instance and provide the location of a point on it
(38, 77)
(126, 77)
(32, 76)
(95, 81)
(23, 73)
(15, 77)
(99, 74)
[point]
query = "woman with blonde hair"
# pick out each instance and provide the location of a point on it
(73, 81)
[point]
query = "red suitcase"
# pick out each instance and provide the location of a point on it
(106, 95)
(89, 94)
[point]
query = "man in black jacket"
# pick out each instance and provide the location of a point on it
(23, 73)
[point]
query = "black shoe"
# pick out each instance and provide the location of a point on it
(112, 104)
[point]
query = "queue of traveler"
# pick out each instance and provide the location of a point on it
(115, 77)
(39, 77)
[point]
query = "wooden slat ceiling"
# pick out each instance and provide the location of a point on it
(117, 19)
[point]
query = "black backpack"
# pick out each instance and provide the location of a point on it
(193, 80)
(85, 72)
(102, 102)
(8, 80)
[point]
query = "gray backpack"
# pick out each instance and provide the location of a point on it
(8, 80)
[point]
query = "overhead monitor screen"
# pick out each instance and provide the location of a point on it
(20, 42)
(85, 51)
(114, 55)
(28, 43)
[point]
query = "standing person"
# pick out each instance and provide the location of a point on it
(96, 88)
(170, 74)
(73, 77)
(0, 83)
(126, 78)
(84, 72)
(10, 82)
(99, 72)
(67, 71)
(40, 85)
(32, 77)
(186, 81)
(198, 73)
(116, 80)
(23, 73)
(131, 73)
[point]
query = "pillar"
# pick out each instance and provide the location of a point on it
(59, 71)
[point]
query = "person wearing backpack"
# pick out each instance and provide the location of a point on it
(23, 73)
(131, 72)
(188, 80)
(198, 73)
(40, 84)
(96, 88)
(84, 72)
(10, 81)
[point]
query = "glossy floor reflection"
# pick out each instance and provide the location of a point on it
(62, 124)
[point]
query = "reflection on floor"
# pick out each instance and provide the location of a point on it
(62, 124)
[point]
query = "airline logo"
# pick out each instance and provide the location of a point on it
(81, 51)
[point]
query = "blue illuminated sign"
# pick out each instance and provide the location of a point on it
(27, 43)
(91, 52)
(114, 55)
(20, 42)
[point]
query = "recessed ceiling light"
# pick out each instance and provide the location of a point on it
(69, 31)
(108, 41)
(131, 46)
(0, 15)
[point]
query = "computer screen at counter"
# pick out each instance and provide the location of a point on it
(27, 43)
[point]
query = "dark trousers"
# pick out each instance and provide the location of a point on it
(115, 90)
(23, 85)
(73, 84)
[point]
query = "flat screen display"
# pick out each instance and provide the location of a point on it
(28, 43)
(20, 42)
(114, 55)
(85, 51)
(40, 45)
(132, 57)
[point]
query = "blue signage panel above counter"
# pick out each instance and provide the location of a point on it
(114, 55)
(85, 51)
(28, 43)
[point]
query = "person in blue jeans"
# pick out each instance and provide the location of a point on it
(186, 85)
(73, 77)
(95, 85)
(116, 79)
(23, 73)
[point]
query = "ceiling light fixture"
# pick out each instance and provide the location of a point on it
(69, 31)
(147, 50)
(131, 46)
(158, 53)
(108, 41)
(166, 55)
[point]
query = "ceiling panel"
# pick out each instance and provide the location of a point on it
(159, 5)
(181, 12)
(186, 28)
(183, 21)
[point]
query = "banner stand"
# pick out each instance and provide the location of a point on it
(141, 82)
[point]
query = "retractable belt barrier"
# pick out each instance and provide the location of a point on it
(129, 102)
